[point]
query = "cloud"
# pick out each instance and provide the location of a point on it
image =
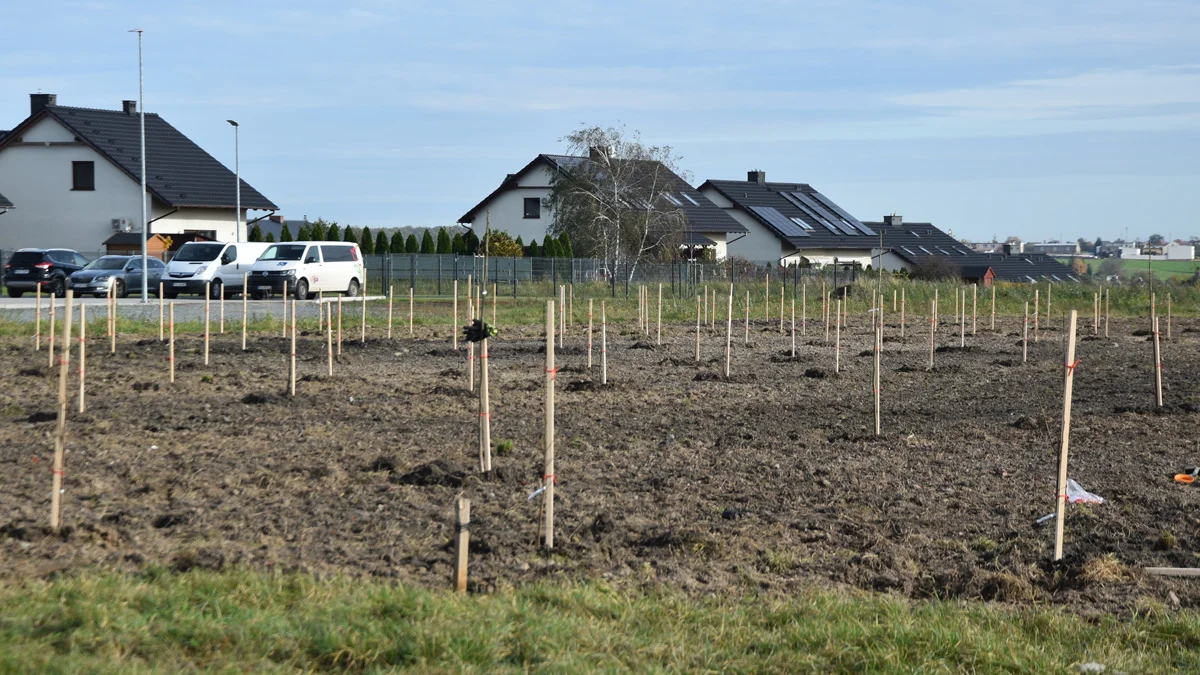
(1095, 94)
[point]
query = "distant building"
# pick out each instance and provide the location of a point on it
(1054, 248)
(987, 247)
(1169, 252)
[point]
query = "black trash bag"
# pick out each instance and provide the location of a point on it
(478, 331)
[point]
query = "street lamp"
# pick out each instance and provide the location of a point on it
(142, 136)
(237, 175)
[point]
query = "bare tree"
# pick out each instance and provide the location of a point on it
(618, 198)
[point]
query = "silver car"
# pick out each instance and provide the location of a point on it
(123, 271)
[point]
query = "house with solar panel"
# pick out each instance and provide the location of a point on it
(793, 223)
(76, 172)
(519, 207)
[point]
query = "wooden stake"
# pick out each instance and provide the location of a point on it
(935, 310)
(1168, 316)
(160, 313)
(321, 313)
(767, 297)
(548, 478)
(60, 436)
(932, 327)
(82, 355)
(329, 338)
(485, 410)
(221, 312)
(171, 344)
(706, 305)
(803, 309)
(454, 319)
(589, 335)
(391, 296)
(837, 340)
(1060, 511)
(284, 299)
(658, 330)
(339, 327)
(462, 540)
(993, 328)
(962, 321)
(697, 329)
(603, 343)
(562, 314)
(1025, 335)
(471, 351)
(207, 302)
(728, 329)
(894, 306)
(245, 307)
(901, 313)
(362, 330)
(494, 296)
(50, 338)
(292, 371)
(781, 287)
(878, 348)
(112, 333)
(1049, 315)
(571, 304)
(410, 311)
(37, 322)
(1158, 389)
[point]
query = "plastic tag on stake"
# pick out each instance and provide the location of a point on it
(1077, 495)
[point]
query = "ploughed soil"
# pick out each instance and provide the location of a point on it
(670, 474)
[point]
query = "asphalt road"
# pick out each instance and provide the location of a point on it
(186, 309)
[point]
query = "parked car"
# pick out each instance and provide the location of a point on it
(50, 267)
(308, 267)
(219, 266)
(122, 271)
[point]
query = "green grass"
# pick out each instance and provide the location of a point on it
(247, 621)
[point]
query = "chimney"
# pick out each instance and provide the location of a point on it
(756, 176)
(39, 101)
(129, 107)
(1008, 249)
(893, 220)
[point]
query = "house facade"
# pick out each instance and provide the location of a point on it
(519, 207)
(76, 173)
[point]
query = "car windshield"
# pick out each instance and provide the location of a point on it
(106, 263)
(197, 252)
(284, 252)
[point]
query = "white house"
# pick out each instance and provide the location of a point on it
(518, 207)
(75, 172)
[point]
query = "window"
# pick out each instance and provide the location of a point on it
(800, 222)
(671, 198)
(337, 253)
(156, 264)
(689, 198)
(83, 175)
(79, 260)
(533, 207)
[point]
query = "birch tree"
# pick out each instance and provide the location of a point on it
(618, 199)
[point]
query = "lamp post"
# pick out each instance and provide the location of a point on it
(237, 175)
(142, 137)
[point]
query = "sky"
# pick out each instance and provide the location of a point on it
(1035, 118)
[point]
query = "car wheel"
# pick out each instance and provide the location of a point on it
(58, 286)
(121, 290)
(302, 289)
(215, 289)
(15, 294)
(352, 292)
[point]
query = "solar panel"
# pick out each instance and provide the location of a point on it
(791, 199)
(777, 220)
(944, 252)
(822, 213)
(841, 212)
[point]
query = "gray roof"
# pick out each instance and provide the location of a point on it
(179, 173)
(702, 215)
(4, 203)
(747, 194)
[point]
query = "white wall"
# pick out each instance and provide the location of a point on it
(508, 209)
(758, 245)
(37, 179)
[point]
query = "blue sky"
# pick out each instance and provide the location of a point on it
(1035, 118)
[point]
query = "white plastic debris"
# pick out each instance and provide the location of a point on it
(536, 493)
(1077, 495)
(1091, 667)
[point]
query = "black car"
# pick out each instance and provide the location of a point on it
(50, 267)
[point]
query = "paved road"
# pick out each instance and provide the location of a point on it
(186, 309)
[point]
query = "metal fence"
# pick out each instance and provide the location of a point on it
(431, 274)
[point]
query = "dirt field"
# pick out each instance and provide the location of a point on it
(669, 475)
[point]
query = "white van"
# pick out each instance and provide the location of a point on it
(308, 267)
(220, 265)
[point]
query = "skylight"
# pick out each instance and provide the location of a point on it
(689, 198)
(671, 198)
(801, 222)
(926, 250)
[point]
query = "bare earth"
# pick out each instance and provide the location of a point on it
(670, 475)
